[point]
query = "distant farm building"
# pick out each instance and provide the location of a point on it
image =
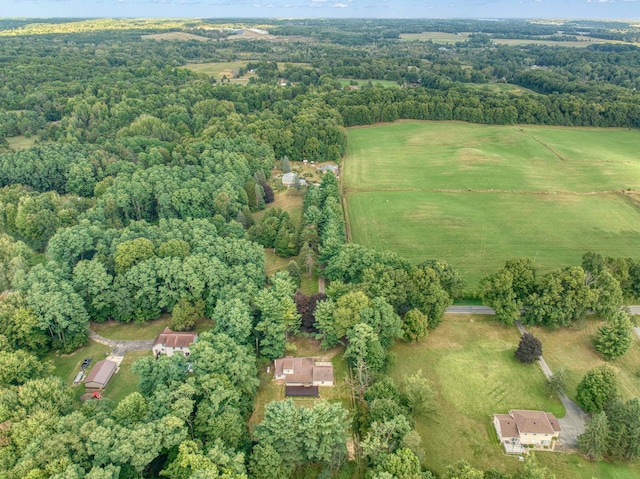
(521, 428)
(289, 179)
(100, 375)
(169, 342)
(303, 372)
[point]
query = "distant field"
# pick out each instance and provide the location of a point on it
(450, 38)
(501, 87)
(435, 37)
(221, 69)
(477, 195)
(228, 69)
(176, 36)
(361, 82)
(470, 360)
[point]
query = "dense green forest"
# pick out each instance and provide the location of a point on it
(128, 185)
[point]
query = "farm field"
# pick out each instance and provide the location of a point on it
(470, 361)
(451, 38)
(477, 195)
(228, 69)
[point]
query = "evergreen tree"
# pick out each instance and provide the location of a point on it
(529, 349)
(594, 441)
(614, 339)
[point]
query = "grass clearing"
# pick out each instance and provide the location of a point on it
(477, 195)
(21, 142)
(146, 330)
(218, 70)
(270, 390)
(573, 348)
(470, 360)
(68, 365)
(364, 82)
(124, 382)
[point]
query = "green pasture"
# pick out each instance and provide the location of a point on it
(477, 195)
(470, 361)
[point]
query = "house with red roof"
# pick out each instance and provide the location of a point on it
(522, 429)
(170, 342)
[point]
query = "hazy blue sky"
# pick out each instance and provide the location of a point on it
(629, 9)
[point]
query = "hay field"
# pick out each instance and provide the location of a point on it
(176, 36)
(477, 195)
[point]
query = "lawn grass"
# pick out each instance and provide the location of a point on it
(573, 349)
(124, 382)
(68, 365)
(271, 390)
(477, 195)
(146, 330)
(470, 361)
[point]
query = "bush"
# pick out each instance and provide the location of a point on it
(529, 349)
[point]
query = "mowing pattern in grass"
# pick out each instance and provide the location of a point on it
(470, 360)
(477, 195)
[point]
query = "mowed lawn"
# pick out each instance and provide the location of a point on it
(470, 361)
(477, 195)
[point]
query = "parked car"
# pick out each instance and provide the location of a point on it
(85, 363)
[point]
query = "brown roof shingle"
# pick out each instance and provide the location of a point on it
(174, 339)
(533, 422)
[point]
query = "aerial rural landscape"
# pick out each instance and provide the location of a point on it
(333, 240)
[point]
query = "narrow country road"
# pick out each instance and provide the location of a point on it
(462, 309)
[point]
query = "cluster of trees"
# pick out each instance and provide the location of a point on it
(184, 419)
(614, 429)
(565, 295)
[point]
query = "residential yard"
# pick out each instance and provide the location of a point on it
(270, 390)
(470, 360)
(476, 195)
(573, 348)
(146, 330)
(124, 382)
(68, 365)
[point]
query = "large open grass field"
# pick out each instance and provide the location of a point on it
(477, 195)
(470, 361)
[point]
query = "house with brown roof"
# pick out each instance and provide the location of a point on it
(303, 372)
(521, 428)
(169, 342)
(100, 375)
